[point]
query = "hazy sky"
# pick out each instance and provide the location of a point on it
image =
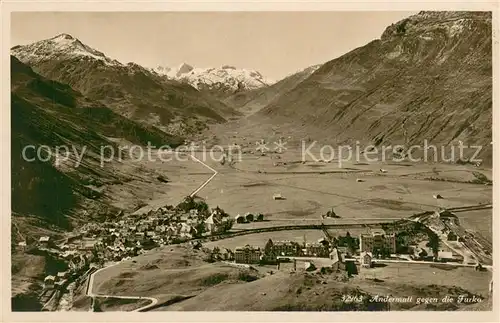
(274, 43)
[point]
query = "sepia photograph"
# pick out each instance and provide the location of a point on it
(262, 161)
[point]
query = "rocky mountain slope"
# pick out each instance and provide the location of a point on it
(129, 89)
(429, 77)
(50, 114)
(255, 99)
(221, 81)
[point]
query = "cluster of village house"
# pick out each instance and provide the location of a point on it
(114, 241)
(369, 244)
(251, 255)
(117, 245)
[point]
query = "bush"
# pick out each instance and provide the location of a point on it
(227, 225)
(25, 303)
(401, 27)
(190, 203)
(214, 279)
(246, 277)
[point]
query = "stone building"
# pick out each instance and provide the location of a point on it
(316, 250)
(247, 255)
(377, 239)
(286, 248)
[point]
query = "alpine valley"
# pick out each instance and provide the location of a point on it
(240, 218)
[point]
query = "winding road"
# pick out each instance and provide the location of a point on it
(90, 293)
(207, 181)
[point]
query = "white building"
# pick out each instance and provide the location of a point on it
(44, 241)
(210, 224)
(366, 259)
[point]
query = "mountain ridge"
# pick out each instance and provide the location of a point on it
(52, 114)
(128, 89)
(428, 77)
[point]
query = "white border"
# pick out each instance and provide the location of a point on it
(116, 5)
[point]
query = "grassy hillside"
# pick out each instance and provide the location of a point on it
(50, 113)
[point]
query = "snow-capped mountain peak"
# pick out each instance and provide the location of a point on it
(63, 39)
(60, 46)
(226, 78)
(183, 69)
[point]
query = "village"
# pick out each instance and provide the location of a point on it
(96, 245)
(406, 241)
(363, 250)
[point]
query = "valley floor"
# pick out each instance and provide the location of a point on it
(358, 192)
(309, 190)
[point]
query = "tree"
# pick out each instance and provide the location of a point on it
(385, 253)
(220, 211)
(149, 244)
(199, 229)
(190, 203)
(95, 254)
(187, 204)
(228, 224)
(268, 248)
(216, 253)
(401, 27)
(350, 243)
(433, 242)
(202, 207)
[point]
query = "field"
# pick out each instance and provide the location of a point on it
(166, 273)
(357, 192)
(314, 291)
(311, 189)
(417, 274)
(183, 175)
(110, 304)
(480, 221)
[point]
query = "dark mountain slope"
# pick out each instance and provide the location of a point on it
(45, 112)
(429, 77)
(130, 90)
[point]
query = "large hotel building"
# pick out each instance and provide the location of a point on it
(377, 239)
